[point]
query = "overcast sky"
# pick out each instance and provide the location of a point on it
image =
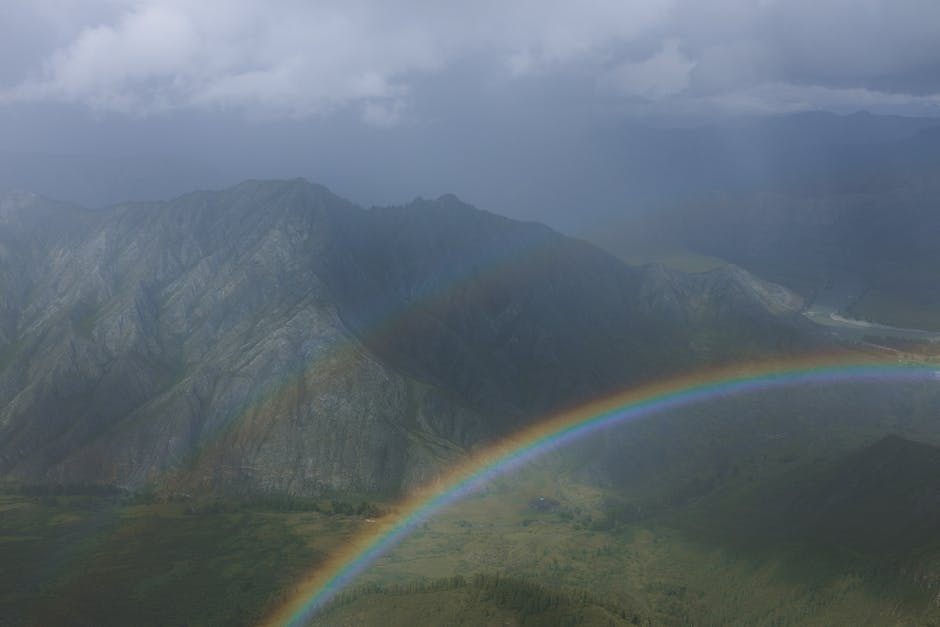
(385, 100)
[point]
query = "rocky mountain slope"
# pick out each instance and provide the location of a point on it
(273, 337)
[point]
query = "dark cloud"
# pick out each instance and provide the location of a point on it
(520, 107)
(309, 58)
(305, 58)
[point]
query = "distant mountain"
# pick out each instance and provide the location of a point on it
(273, 337)
(879, 244)
(815, 201)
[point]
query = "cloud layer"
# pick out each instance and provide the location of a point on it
(300, 58)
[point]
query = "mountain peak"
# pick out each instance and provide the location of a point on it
(265, 187)
(449, 199)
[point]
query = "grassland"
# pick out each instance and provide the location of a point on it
(95, 560)
(654, 568)
(479, 600)
(86, 564)
(723, 555)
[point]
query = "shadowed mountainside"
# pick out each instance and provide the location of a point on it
(814, 201)
(273, 337)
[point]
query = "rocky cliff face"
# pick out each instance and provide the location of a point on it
(273, 337)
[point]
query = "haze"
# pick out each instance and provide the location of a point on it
(534, 110)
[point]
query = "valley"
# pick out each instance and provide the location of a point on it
(469, 314)
(206, 400)
(273, 337)
(98, 559)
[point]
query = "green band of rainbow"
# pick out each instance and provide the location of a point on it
(568, 427)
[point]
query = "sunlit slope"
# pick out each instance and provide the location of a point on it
(273, 337)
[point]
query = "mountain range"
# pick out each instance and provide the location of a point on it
(275, 338)
(840, 208)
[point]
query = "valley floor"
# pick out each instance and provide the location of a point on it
(92, 560)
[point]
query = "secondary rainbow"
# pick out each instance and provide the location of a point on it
(566, 427)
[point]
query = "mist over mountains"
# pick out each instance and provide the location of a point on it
(233, 370)
(815, 201)
(273, 337)
(594, 174)
(680, 367)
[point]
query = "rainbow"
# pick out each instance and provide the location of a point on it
(569, 426)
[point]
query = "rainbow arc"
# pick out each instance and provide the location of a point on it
(562, 429)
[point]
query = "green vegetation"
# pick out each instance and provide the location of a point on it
(480, 600)
(744, 511)
(95, 560)
(680, 566)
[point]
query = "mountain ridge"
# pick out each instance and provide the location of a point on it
(274, 337)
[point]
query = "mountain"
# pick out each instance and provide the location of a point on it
(818, 202)
(273, 337)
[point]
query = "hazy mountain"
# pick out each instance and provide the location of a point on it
(818, 202)
(274, 337)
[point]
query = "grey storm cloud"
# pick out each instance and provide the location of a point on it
(299, 58)
(308, 57)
